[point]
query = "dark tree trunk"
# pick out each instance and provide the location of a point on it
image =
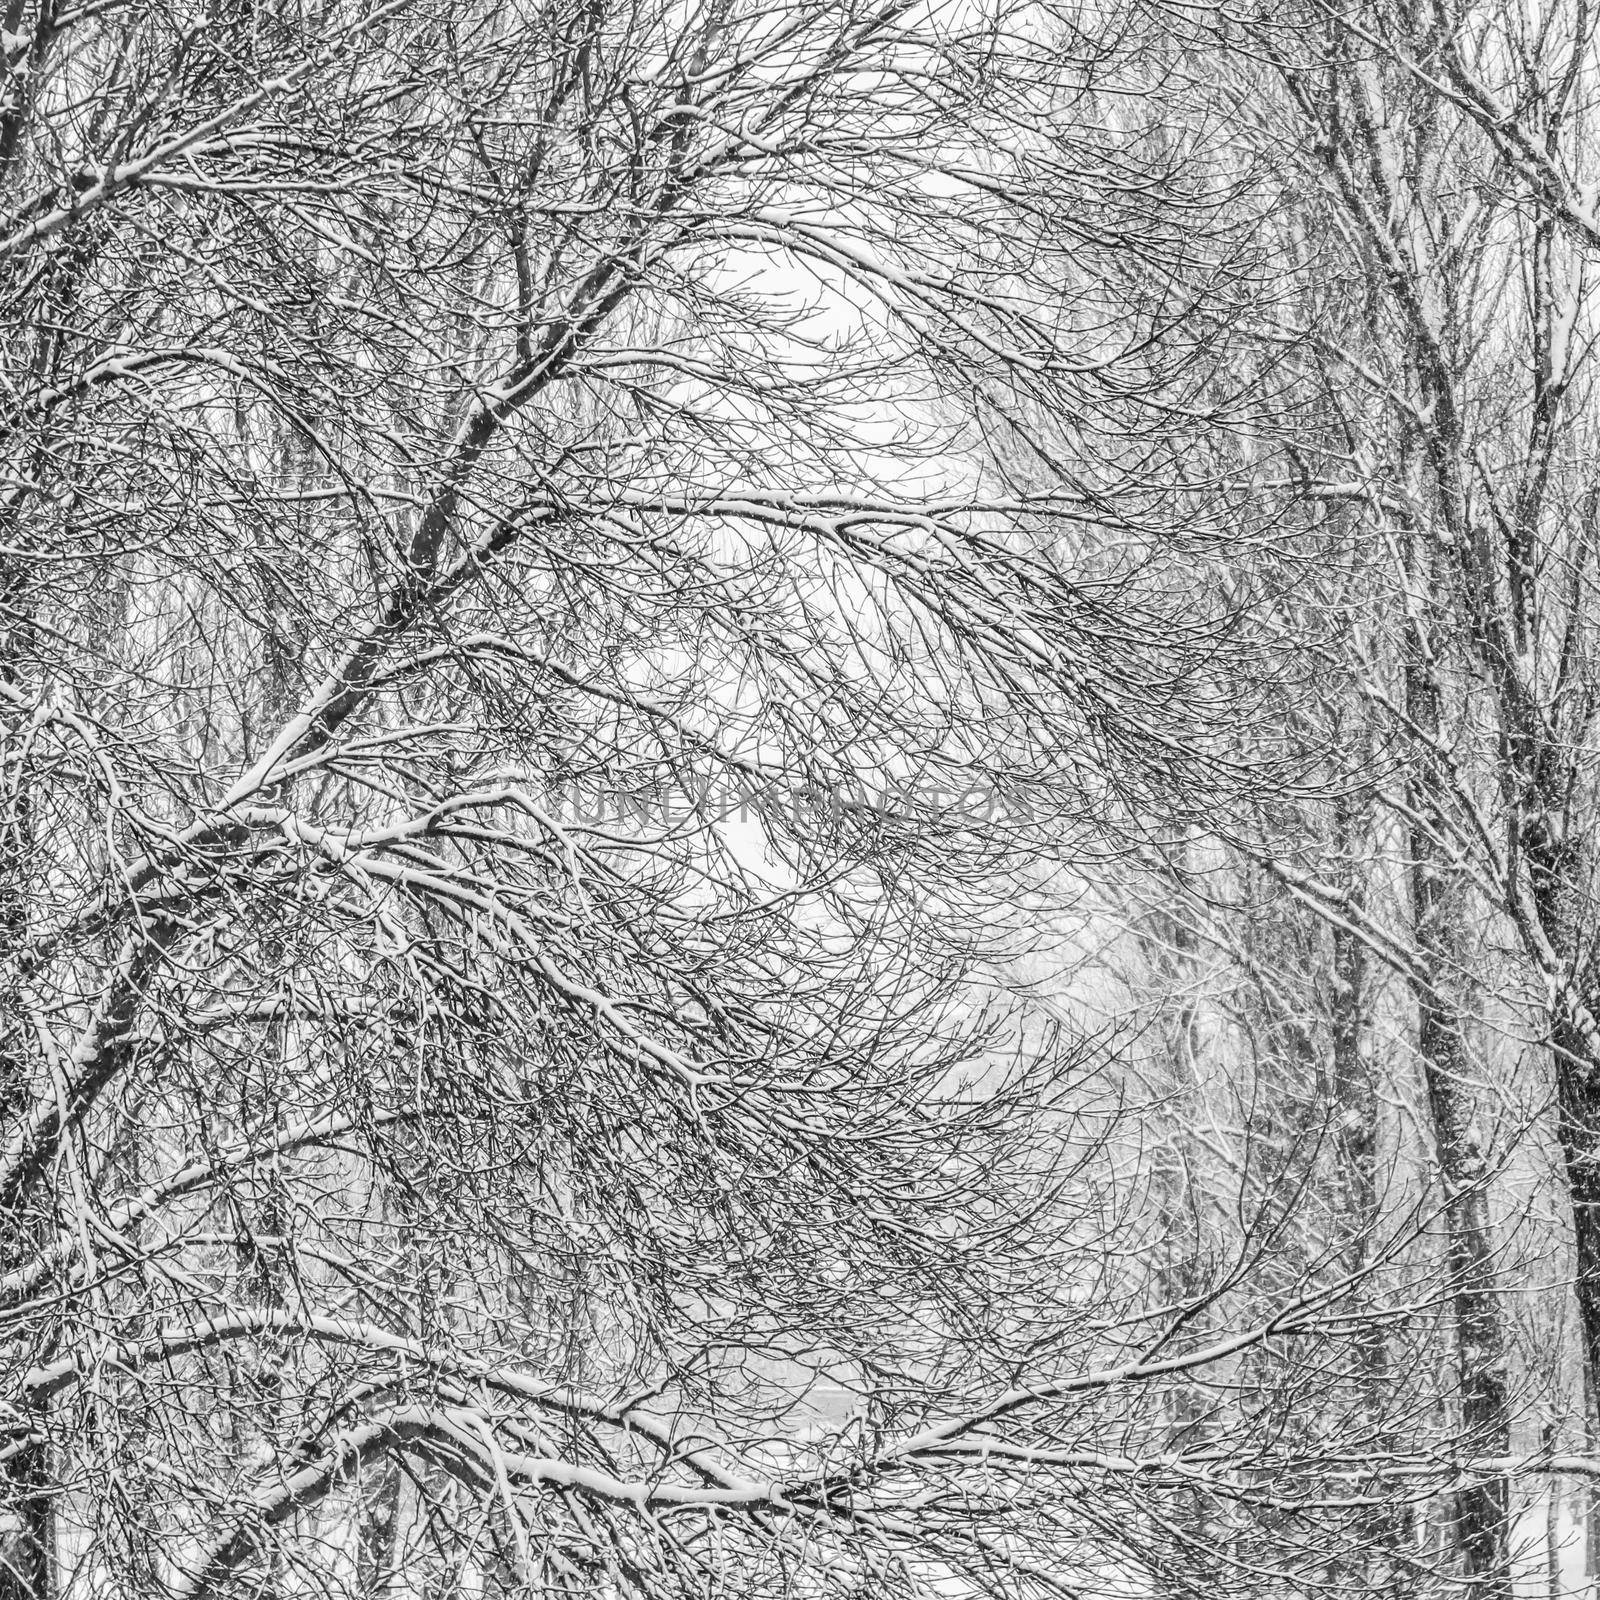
(1482, 1506)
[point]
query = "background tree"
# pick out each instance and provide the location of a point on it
(1395, 452)
(1427, 433)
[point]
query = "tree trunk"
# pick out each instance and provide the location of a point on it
(27, 1548)
(1481, 1512)
(1390, 1532)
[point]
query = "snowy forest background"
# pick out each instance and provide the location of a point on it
(799, 799)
